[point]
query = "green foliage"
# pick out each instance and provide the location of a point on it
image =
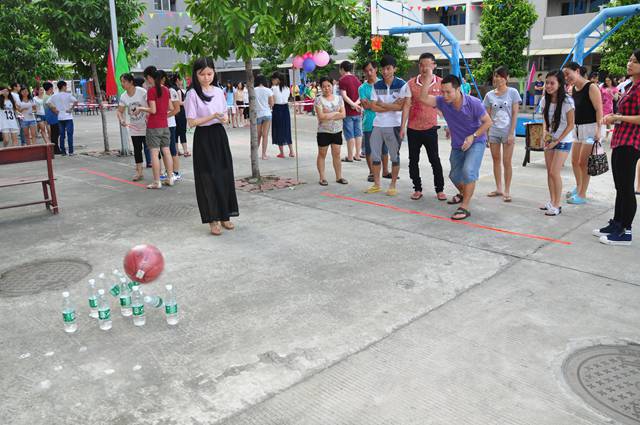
(617, 48)
(360, 29)
(81, 30)
(503, 35)
(25, 49)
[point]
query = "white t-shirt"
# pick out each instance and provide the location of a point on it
(39, 105)
(63, 102)
(173, 96)
(26, 109)
(567, 106)
(280, 96)
(387, 94)
(8, 117)
(262, 101)
(137, 119)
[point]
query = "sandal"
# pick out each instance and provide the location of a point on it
(392, 191)
(506, 198)
(187, 154)
(356, 158)
(137, 177)
(494, 194)
(460, 211)
(155, 185)
(416, 195)
(345, 159)
(216, 230)
(228, 225)
(292, 155)
(457, 199)
(342, 181)
(280, 155)
(441, 196)
(323, 183)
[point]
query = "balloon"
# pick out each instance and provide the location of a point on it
(308, 55)
(321, 58)
(308, 65)
(297, 62)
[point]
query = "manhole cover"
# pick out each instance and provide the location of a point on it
(168, 211)
(607, 377)
(45, 275)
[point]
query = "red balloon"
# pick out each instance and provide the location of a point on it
(143, 263)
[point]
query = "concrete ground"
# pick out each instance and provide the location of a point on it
(319, 308)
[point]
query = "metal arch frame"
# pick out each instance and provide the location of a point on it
(578, 49)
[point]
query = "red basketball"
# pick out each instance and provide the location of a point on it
(143, 263)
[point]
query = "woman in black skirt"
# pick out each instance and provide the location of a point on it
(281, 120)
(181, 118)
(206, 109)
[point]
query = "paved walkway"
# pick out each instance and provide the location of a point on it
(325, 306)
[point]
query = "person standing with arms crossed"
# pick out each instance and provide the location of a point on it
(422, 127)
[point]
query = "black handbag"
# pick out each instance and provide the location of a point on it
(598, 163)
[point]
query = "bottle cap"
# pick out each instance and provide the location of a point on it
(136, 288)
(101, 275)
(115, 271)
(65, 294)
(169, 287)
(92, 281)
(123, 279)
(101, 291)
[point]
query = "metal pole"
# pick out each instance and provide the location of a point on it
(124, 136)
(295, 127)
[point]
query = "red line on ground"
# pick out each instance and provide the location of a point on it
(447, 219)
(117, 179)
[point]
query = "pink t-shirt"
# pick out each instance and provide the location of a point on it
(607, 99)
(421, 116)
(196, 108)
(159, 119)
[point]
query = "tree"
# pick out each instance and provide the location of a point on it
(617, 48)
(81, 32)
(504, 27)
(236, 26)
(360, 29)
(26, 53)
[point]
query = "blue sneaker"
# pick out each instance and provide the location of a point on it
(622, 238)
(572, 193)
(163, 177)
(612, 227)
(576, 200)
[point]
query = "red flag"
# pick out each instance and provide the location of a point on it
(531, 76)
(112, 87)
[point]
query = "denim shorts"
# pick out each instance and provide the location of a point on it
(40, 118)
(351, 127)
(27, 124)
(261, 120)
(563, 146)
(367, 144)
(465, 165)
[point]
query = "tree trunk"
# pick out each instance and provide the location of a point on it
(96, 84)
(255, 168)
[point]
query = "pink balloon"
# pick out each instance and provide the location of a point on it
(308, 55)
(321, 58)
(298, 61)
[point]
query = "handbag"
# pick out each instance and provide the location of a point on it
(598, 163)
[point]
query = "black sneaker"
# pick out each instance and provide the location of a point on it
(610, 228)
(370, 178)
(620, 238)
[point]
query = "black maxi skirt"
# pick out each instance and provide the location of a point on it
(213, 173)
(281, 125)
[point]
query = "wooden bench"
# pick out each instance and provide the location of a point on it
(19, 154)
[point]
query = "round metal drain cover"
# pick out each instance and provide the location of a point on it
(168, 211)
(607, 377)
(45, 275)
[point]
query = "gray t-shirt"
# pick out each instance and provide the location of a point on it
(501, 110)
(567, 106)
(329, 126)
(136, 118)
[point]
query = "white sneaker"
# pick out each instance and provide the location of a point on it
(551, 211)
(177, 176)
(546, 206)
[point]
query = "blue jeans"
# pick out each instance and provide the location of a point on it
(351, 127)
(465, 165)
(66, 127)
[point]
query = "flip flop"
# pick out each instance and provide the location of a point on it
(494, 194)
(441, 196)
(416, 195)
(228, 225)
(187, 154)
(347, 160)
(342, 181)
(323, 183)
(466, 214)
(457, 199)
(507, 198)
(392, 192)
(155, 185)
(216, 230)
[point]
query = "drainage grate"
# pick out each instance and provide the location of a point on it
(33, 278)
(607, 377)
(168, 211)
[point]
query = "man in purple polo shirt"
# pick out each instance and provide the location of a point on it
(468, 123)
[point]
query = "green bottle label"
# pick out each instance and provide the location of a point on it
(93, 302)
(115, 290)
(125, 301)
(104, 314)
(69, 317)
(171, 309)
(132, 284)
(138, 310)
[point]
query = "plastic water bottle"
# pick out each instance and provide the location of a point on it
(115, 284)
(137, 306)
(171, 306)
(125, 297)
(68, 314)
(153, 301)
(93, 299)
(104, 311)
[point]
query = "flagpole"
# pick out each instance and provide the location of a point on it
(124, 136)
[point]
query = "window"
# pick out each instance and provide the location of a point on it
(161, 41)
(167, 5)
(453, 17)
(578, 7)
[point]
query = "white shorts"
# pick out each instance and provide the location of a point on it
(10, 131)
(586, 133)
